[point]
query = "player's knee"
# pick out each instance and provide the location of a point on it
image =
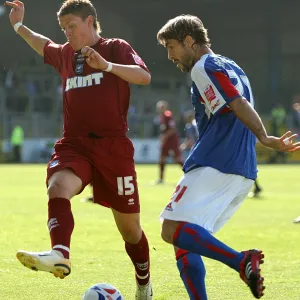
(168, 230)
(57, 189)
(64, 184)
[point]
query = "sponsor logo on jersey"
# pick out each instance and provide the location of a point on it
(83, 81)
(79, 69)
(209, 93)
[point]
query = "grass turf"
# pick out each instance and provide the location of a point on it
(98, 251)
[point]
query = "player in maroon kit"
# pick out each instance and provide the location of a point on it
(170, 144)
(96, 73)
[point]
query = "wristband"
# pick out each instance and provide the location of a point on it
(17, 26)
(109, 68)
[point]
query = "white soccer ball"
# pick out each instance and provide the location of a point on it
(102, 291)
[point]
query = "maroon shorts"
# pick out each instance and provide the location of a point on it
(171, 147)
(107, 162)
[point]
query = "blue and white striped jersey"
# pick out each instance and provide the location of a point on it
(224, 143)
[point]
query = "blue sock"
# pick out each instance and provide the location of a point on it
(196, 239)
(192, 273)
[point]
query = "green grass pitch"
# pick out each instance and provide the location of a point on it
(98, 251)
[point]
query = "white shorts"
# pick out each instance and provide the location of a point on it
(207, 197)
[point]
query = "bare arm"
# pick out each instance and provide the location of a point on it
(33, 39)
(131, 73)
(36, 41)
(247, 114)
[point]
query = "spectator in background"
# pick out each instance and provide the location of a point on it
(16, 141)
(296, 125)
(278, 123)
(169, 139)
(296, 114)
(278, 119)
(155, 126)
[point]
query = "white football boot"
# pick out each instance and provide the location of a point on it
(144, 292)
(50, 261)
(297, 220)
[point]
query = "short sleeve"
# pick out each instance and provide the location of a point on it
(214, 86)
(125, 55)
(53, 55)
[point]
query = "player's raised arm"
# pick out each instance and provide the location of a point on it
(248, 115)
(33, 39)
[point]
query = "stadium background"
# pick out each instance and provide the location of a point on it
(261, 36)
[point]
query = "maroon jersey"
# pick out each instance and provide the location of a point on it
(167, 122)
(93, 101)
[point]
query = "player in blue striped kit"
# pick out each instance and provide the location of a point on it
(221, 169)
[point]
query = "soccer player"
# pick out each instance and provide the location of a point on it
(169, 139)
(191, 131)
(221, 168)
(96, 73)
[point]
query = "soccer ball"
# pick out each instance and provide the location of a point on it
(102, 291)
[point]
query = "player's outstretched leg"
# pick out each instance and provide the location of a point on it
(196, 239)
(60, 225)
(192, 272)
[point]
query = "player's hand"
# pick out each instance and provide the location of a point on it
(183, 147)
(17, 12)
(94, 59)
(282, 144)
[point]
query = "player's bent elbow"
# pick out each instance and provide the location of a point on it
(237, 103)
(145, 79)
